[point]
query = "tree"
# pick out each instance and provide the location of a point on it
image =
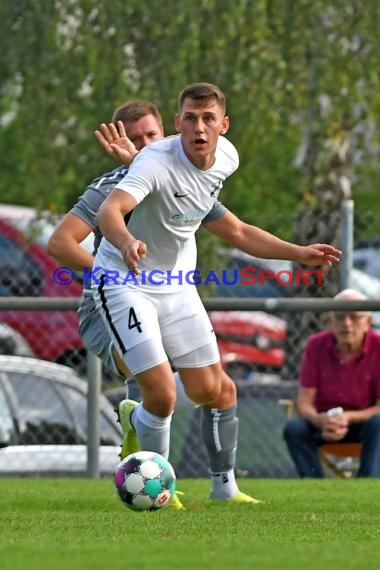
(338, 122)
(292, 71)
(66, 65)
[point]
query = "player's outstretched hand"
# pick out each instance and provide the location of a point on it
(319, 254)
(114, 140)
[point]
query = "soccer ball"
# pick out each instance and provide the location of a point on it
(145, 481)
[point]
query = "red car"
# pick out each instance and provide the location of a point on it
(27, 270)
(249, 342)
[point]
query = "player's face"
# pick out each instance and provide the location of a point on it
(144, 131)
(200, 124)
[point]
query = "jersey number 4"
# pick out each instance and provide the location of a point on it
(132, 320)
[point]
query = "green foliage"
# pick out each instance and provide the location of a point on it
(301, 79)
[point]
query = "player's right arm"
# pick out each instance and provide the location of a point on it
(110, 218)
(64, 243)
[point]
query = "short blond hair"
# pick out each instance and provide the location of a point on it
(134, 110)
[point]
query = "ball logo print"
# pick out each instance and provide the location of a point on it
(145, 481)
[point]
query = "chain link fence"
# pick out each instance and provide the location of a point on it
(43, 408)
(260, 347)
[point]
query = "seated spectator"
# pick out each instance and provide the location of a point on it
(340, 369)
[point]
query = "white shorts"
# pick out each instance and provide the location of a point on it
(175, 324)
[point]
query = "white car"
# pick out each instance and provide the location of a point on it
(43, 421)
(368, 260)
(54, 460)
(11, 342)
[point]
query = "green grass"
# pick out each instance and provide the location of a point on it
(48, 524)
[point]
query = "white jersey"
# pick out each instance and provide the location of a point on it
(173, 196)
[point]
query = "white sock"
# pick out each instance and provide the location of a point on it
(152, 431)
(223, 485)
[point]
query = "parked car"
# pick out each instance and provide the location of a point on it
(367, 259)
(38, 226)
(43, 420)
(250, 342)
(264, 287)
(54, 460)
(27, 270)
(11, 342)
(366, 271)
(370, 287)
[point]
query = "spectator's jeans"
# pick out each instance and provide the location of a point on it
(303, 441)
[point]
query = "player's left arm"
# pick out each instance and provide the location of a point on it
(255, 241)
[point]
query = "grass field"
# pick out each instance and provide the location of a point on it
(72, 524)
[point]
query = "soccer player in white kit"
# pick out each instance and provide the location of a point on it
(134, 125)
(143, 281)
(142, 122)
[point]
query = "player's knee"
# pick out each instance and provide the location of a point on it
(204, 393)
(159, 409)
(159, 397)
(229, 389)
(227, 396)
(162, 406)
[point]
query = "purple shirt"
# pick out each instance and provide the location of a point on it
(353, 385)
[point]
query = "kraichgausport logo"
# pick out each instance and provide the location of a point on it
(246, 276)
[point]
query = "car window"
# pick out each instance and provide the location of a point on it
(41, 414)
(20, 275)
